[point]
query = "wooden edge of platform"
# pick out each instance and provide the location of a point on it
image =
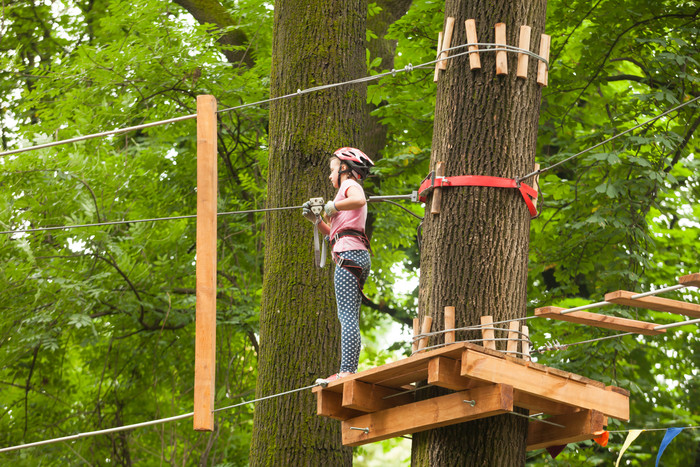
(624, 297)
(690, 279)
(428, 414)
(599, 320)
(367, 397)
(578, 426)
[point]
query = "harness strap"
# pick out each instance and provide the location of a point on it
(319, 249)
(351, 233)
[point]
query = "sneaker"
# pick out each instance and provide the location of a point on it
(333, 377)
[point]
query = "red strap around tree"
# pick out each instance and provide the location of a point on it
(431, 182)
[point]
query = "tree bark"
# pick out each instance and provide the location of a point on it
(314, 42)
(475, 252)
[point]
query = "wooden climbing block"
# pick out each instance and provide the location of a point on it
(650, 302)
(542, 72)
(543, 384)
(488, 335)
(439, 52)
(599, 321)
(474, 60)
(513, 337)
(690, 279)
(578, 426)
(367, 397)
(523, 59)
(428, 414)
(446, 42)
(501, 57)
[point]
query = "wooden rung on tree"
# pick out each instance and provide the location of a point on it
(488, 335)
(623, 297)
(425, 329)
(416, 331)
(513, 337)
(536, 185)
(449, 324)
(542, 70)
(439, 53)
(446, 42)
(523, 43)
(437, 191)
(501, 57)
(474, 60)
(599, 321)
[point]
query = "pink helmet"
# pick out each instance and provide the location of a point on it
(357, 160)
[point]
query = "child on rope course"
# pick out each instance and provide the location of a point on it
(346, 216)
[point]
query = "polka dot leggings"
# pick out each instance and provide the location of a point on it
(349, 299)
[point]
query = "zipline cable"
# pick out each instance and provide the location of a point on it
(144, 424)
(653, 119)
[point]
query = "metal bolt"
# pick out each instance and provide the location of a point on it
(364, 430)
(472, 403)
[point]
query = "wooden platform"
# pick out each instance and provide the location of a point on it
(373, 406)
(599, 321)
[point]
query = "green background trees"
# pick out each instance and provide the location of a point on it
(96, 325)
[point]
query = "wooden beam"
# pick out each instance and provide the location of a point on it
(501, 57)
(526, 342)
(449, 324)
(205, 269)
(513, 336)
(488, 335)
(650, 302)
(446, 373)
(599, 321)
(542, 71)
(429, 414)
(446, 42)
(543, 384)
(416, 331)
(330, 404)
(439, 52)
(367, 397)
(523, 59)
(579, 426)
(425, 329)
(474, 60)
(690, 279)
(537, 404)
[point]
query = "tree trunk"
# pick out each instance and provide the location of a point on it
(315, 42)
(475, 252)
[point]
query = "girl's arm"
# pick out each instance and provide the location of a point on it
(324, 228)
(355, 200)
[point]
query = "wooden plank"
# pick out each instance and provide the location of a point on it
(425, 329)
(205, 269)
(546, 385)
(439, 51)
(623, 297)
(416, 331)
(523, 59)
(366, 397)
(690, 279)
(537, 404)
(513, 337)
(446, 42)
(599, 321)
(474, 60)
(488, 335)
(437, 192)
(579, 426)
(449, 324)
(446, 373)
(429, 414)
(330, 404)
(501, 57)
(526, 342)
(542, 72)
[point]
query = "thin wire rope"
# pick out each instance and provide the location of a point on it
(299, 92)
(655, 429)
(143, 424)
(135, 221)
(653, 119)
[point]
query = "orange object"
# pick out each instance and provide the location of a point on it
(603, 438)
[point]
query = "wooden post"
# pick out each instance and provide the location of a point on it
(437, 192)
(449, 324)
(542, 73)
(446, 41)
(427, 323)
(526, 343)
(474, 60)
(416, 331)
(488, 334)
(536, 185)
(523, 43)
(513, 337)
(501, 57)
(439, 52)
(205, 317)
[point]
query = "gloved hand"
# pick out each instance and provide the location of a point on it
(306, 212)
(330, 208)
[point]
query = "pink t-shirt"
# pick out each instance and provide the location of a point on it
(343, 220)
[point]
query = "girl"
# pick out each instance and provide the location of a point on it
(347, 214)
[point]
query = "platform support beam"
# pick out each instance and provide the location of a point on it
(578, 426)
(205, 316)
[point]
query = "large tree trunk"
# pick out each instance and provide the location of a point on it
(474, 254)
(315, 42)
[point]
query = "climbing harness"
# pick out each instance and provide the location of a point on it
(432, 181)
